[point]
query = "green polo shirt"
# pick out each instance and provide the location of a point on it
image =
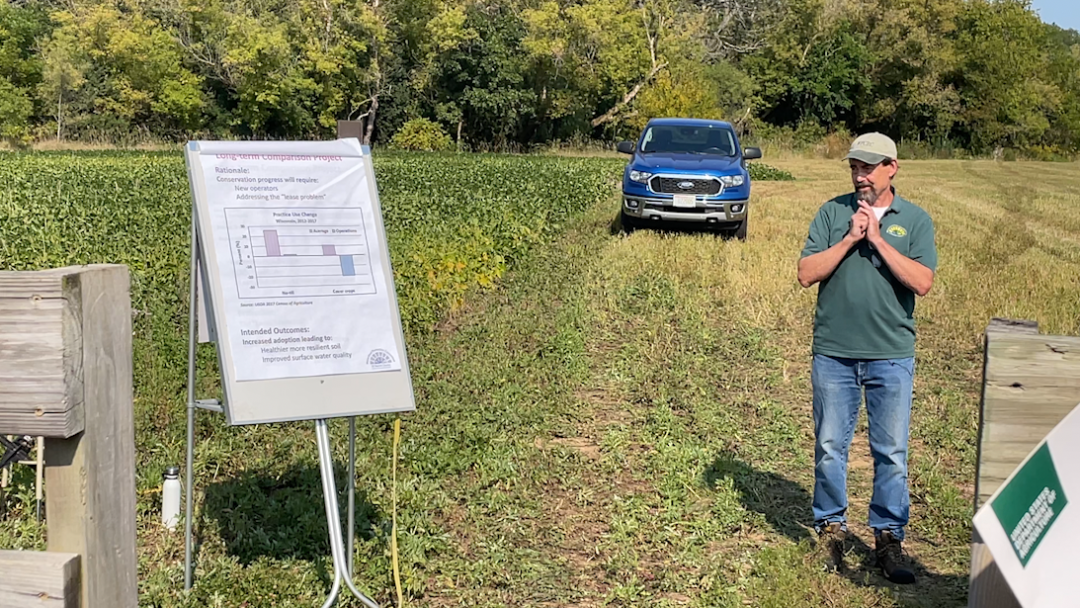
(863, 311)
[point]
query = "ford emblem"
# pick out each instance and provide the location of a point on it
(685, 185)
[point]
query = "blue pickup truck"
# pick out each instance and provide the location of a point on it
(687, 170)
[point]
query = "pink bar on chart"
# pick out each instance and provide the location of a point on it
(329, 250)
(273, 248)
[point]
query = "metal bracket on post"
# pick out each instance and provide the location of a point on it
(211, 405)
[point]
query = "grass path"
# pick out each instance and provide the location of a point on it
(675, 466)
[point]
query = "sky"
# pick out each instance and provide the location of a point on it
(1065, 13)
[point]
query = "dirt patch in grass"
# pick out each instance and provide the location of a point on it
(580, 527)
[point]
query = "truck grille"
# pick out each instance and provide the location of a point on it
(670, 185)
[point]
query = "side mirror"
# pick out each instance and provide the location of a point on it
(751, 153)
(626, 147)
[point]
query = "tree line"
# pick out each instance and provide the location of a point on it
(980, 75)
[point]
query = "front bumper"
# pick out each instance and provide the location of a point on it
(719, 212)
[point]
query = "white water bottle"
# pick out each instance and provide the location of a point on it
(170, 498)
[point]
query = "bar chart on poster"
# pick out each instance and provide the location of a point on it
(297, 252)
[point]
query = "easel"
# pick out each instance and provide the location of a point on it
(391, 391)
(342, 555)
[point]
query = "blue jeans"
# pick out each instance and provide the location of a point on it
(838, 387)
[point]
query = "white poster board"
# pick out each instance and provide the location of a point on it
(1032, 523)
(297, 281)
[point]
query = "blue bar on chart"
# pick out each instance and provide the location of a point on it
(347, 268)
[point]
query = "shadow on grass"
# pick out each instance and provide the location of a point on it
(263, 515)
(786, 506)
(784, 503)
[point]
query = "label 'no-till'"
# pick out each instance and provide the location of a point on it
(1028, 506)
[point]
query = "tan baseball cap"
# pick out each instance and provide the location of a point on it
(872, 148)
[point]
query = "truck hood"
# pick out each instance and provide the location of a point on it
(687, 162)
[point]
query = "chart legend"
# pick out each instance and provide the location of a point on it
(295, 252)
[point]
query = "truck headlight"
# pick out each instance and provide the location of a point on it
(731, 181)
(640, 176)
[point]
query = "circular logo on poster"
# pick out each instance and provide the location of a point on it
(380, 359)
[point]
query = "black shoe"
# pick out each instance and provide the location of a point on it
(890, 559)
(831, 539)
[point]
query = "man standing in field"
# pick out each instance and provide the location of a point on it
(872, 252)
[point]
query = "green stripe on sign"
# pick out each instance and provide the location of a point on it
(1030, 503)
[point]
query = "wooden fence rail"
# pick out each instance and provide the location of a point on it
(66, 375)
(1030, 383)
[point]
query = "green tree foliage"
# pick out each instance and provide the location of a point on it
(913, 56)
(15, 110)
(1063, 52)
(1003, 88)
(480, 76)
(20, 28)
(20, 67)
(820, 80)
(979, 74)
(421, 134)
(64, 66)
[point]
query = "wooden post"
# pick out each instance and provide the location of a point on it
(350, 128)
(65, 335)
(1030, 383)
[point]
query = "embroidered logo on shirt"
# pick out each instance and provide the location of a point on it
(896, 230)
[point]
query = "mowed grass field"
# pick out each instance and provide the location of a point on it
(617, 420)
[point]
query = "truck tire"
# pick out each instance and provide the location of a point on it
(740, 232)
(628, 223)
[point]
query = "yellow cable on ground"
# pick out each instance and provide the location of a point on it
(393, 529)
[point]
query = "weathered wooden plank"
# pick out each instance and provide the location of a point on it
(987, 588)
(39, 579)
(1028, 411)
(32, 285)
(997, 471)
(31, 354)
(24, 389)
(21, 310)
(40, 354)
(1012, 441)
(59, 424)
(21, 284)
(90, 478)
(1030, 383)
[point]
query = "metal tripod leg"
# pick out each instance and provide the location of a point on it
(333, 519)
(351, 525)
(189, 480)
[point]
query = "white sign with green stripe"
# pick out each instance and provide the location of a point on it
(1029, 525)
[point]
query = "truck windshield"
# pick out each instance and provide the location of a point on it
(688, 140)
